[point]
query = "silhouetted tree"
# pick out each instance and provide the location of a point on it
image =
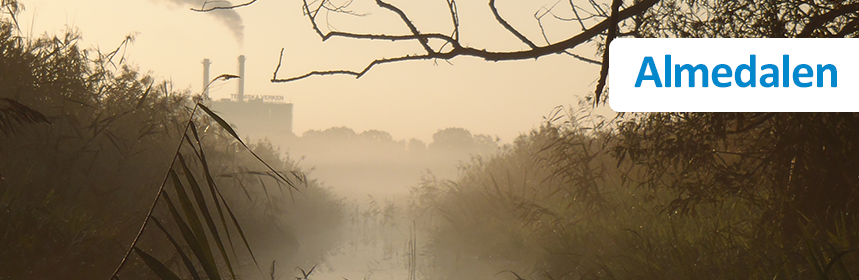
(794, 166)
(416, 146)
(599, 22)
(452, 139)
(377, 137)
(334, 134)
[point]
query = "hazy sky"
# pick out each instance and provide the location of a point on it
(411, 99)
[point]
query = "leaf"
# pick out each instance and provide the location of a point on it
(156, 266)
(221, 122)
(187, 261)
(211, 182)
(264, 189)
(189, 237)
(145, 94)
(13, 112)
(204, 208)
(235, 135)
(816, 264)
(206, 257)
(242, 185)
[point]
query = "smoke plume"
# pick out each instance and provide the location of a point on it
(230, 18)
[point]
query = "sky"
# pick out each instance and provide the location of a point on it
(407, 99)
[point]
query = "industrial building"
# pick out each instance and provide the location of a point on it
(253, 115)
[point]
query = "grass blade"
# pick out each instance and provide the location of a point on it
(204, 209)
(264, 189)
(156, 266)
(207, 259)
(187, 261)
(235, 135)
(189, 237)
(211, 182)
(226, 126)
(245, 189)
(815, 263)
(143, 97)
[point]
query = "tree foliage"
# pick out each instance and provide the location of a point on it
(692, 197)
(796, 166)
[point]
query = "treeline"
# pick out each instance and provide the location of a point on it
(373, 162)
(654, 196)
(373, 145)
(86, 141)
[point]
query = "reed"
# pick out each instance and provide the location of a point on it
(196, 223)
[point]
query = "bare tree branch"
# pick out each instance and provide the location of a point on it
(279, 62)
(509, 27)
(357, 74)
(539, 18)
(459, 50)
(454, 15)
(849, 28)
(818, 21)
(612, 32)
(599, 9)
(204, 9)
(408, 22)
(419, 37)
(312, 17)
(341, 8)
(576, 12)
(582, 58)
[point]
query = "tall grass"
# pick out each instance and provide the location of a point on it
(192, 231)
(119, 148)
(557, 204)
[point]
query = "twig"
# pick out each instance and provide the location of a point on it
(408, 22)
(459, 50)
(509, 27)
(204, 9)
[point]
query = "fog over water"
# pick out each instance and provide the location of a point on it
(377, 175)
(479, 145)
(370, 148)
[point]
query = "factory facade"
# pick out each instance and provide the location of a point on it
(253, 116)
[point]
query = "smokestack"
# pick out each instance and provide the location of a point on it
(206, 63)
(241, 93)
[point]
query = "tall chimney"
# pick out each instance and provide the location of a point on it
(206, 63)
(241, 93)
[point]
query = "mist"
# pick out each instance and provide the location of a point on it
(373, 163)
(327, 168)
